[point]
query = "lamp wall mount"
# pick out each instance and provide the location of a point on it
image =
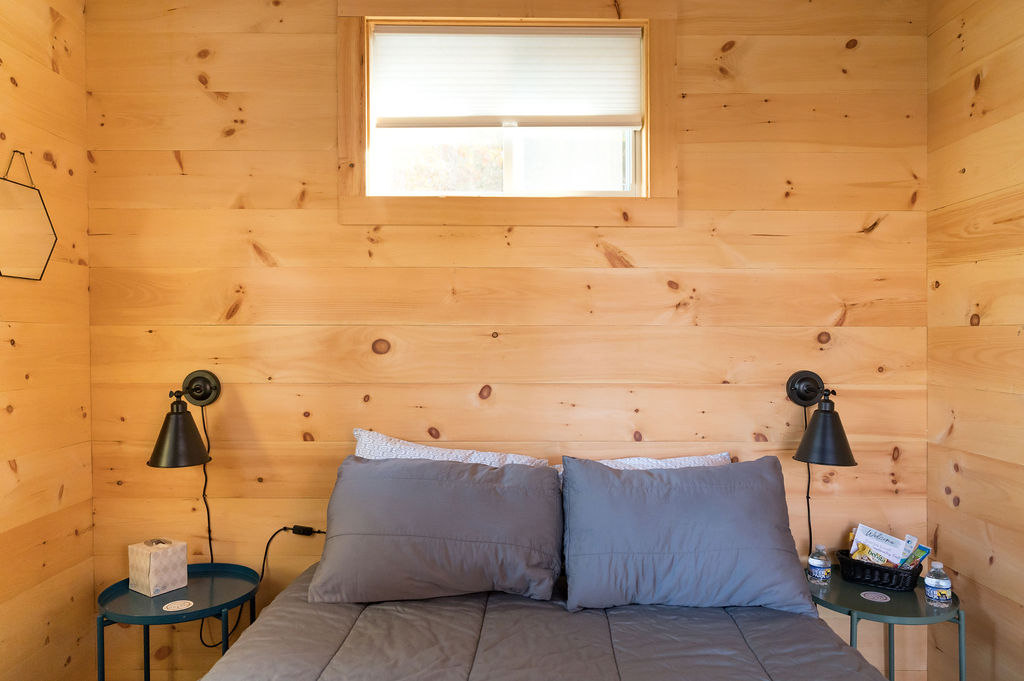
(200, 387)
(805, 388)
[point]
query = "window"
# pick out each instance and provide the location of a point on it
(505, 110)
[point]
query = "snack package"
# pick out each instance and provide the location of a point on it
(871, 546)
(916, 556)
(908, 547)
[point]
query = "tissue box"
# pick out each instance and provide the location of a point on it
(157, 566)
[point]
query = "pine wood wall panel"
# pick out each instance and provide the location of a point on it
(46, 597)
(589, 327)
(237, 17)
(708, 239)
(515, 354)
(800, 122)
(975, 347)
(605, 296)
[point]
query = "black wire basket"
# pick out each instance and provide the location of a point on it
(883, 577)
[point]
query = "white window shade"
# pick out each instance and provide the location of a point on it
(492, 76)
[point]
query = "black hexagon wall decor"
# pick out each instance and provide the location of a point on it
(27, 237)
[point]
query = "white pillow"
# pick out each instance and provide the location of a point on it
(643, 463)
(371, 445)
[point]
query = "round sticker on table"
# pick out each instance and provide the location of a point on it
(175, 606)
(874, 596)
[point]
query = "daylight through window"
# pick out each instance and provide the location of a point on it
(505, 111)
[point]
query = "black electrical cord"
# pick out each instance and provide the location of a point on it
(206, 480)
(295, 529)
(266, 550)
(209, 536)
(810, 533)
(202, 639)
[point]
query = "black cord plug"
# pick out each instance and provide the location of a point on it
(303, 530)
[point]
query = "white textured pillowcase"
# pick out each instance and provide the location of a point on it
(643, 463)
(372, 445)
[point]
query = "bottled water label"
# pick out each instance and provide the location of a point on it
(819, 569)
(940, 592)
(820, 573)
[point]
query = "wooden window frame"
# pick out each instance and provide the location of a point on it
(656, 209)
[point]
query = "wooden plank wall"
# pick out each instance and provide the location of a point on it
(975, 320)
(46, 594)
(785, 231)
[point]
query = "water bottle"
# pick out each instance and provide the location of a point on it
(819, 566)
(938, 590)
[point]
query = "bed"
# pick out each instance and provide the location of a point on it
(447, 564)
(503, 637)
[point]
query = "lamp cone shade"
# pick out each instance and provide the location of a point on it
(824, 442)
(179, 443)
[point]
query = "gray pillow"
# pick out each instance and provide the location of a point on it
(411, 528)
(706, 537)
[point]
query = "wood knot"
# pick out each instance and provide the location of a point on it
(936, 284)
(638, 436)
(728, 45)
(306, 414)
(494, 334)
(948, 490)
(673, 285)
(851, 43)
(760, 437)
(824, 337)
(9, 408)
(625, 216)
(956, 501)
(485, 392)
(975, 319)
(433, 432)
(381, 346)
(977, 81)
(203, 53)
(896, 453)
(308, 437)
(163, 652)
(956, 468)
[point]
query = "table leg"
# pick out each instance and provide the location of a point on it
(101, 672)
(962, 652)
(252, 610)
(892, 652)
(223, 631)
(853, 629)
(145, 652)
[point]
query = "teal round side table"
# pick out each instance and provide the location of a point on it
(865, 602)
(213, 589)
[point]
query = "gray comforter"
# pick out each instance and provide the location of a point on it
(500, 637)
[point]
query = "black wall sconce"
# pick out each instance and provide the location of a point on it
(824, 441)
(179, 444)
